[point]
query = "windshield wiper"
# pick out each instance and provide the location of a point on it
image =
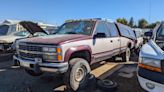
(70, 33)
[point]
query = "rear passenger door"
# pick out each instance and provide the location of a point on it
(102, 46)
(114, 38)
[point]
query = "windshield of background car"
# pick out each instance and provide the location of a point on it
(39, 34)
(77, 27)
(4, 29)
(22, 33)
(160, 32)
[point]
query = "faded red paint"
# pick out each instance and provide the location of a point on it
(70, 51)
(57, 39)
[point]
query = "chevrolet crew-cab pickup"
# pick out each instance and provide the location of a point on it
(73, 48)
(151, 62)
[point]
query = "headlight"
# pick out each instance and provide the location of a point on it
(49, 49)
(57, 54)
(50, 57)
(151, 64)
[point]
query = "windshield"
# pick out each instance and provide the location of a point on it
(77, 27)
(160, 37)
(22, 33)
(4, 29)
(160, 32)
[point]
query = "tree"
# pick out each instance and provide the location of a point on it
(142, 23)
(122, 20)
(152, 25)
(131, 22)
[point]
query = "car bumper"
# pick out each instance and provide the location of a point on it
(151, 81)
(42, 67)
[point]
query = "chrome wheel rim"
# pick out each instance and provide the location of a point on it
(80, 74)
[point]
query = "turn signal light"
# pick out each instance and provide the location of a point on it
(59, 57)
(150, 67)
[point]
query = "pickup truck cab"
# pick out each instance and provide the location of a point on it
(151, 62)
(73, 48)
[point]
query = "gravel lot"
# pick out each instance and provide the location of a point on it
(14, 79)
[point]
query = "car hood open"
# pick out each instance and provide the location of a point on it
(32, 27)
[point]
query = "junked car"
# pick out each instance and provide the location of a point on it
(7, 42)
(151, 62)
(73, 48)
(139, 36)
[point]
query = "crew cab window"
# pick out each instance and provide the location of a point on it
(112, 29)
(132, 34)
(102, 28)
(126, 31)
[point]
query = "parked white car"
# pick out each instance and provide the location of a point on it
(8, 41)
(151, 61)
(139, 36)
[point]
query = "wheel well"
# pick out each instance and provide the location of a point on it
(81, 54)
(129, 45)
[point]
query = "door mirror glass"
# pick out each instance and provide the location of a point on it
(100, 35)
(148, 35)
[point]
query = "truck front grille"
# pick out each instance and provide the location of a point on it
(30, 48)
(29, 51)
(29, 56)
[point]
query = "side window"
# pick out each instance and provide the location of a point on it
(102, 28)
(112, 29)
(131, 32)
(124, 31)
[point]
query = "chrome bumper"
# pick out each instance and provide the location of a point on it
(42, 67)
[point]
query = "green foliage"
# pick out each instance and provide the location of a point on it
(142, 23)
(122, 20)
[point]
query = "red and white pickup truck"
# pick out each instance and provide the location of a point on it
(73, 48)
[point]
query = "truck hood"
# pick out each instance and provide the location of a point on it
(8, 38)
(32, 27)
(152, 50)
(56, 39)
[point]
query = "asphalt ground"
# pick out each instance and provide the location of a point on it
(15, 79)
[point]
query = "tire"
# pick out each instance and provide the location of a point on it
(126, 55)
(16, 62)
(32, 73)
(78, 74)
(107, 85)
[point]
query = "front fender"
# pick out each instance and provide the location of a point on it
(72, 50)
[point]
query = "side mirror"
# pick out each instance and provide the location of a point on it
(100, 35)
(148, 34)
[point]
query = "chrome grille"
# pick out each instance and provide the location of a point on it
(30, 48)
(29, 56)
(30, 52)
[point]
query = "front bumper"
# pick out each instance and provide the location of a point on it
(42, 67)
(149, 78)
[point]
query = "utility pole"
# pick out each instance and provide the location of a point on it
(149, 10)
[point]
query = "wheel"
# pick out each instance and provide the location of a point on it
(78, 74)
(16, 62)
(32, 73)
(107, 85)
(126, 55)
